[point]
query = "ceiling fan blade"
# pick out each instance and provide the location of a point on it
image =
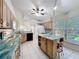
(42, 9)
(42, 13)
(37, 9)
(33, 9)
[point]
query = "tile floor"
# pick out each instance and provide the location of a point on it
(29, 51)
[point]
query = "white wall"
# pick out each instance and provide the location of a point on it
(37, 30)
(74, 13)
(31, 25)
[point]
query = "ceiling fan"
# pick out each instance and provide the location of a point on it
(38, 11)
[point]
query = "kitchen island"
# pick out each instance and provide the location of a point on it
(48, 44)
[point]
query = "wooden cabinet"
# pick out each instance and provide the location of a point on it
(26, 37)
(43, 45)
(49, 47)
(39, 41)
(1, 12)
(16, 53)
(23, 37)
(47, 25)
(54, 52)
(5, 15)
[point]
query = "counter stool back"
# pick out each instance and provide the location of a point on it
(60, 47)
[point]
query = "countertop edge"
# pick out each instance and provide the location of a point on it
(49, 37)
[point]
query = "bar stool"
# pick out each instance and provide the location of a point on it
(60, 48)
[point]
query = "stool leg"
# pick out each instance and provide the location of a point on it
(58, 55)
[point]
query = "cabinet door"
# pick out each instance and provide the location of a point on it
(54, 52)
(43, 44)
(16, 53)
(49, 48)
(23, 38)
(4, 14)
(0, 9)
(39, 41)
(8, 18)
(1, 13)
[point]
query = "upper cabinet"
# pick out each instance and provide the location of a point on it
(47, 25)
(6, 17)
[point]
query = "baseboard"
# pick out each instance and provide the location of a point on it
(72, 46)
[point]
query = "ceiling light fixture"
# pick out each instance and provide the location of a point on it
(38, 12)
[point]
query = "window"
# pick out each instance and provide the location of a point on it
(72, 29)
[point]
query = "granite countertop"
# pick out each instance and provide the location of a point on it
(50, 36)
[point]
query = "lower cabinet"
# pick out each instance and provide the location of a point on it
(23, 37)
(16, 53)
(26, 37)
(52, 48)
(49, 47)
(43, 45)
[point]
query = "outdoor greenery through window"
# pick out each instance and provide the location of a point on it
(72, 28)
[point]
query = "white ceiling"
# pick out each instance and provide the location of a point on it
(24, 7)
